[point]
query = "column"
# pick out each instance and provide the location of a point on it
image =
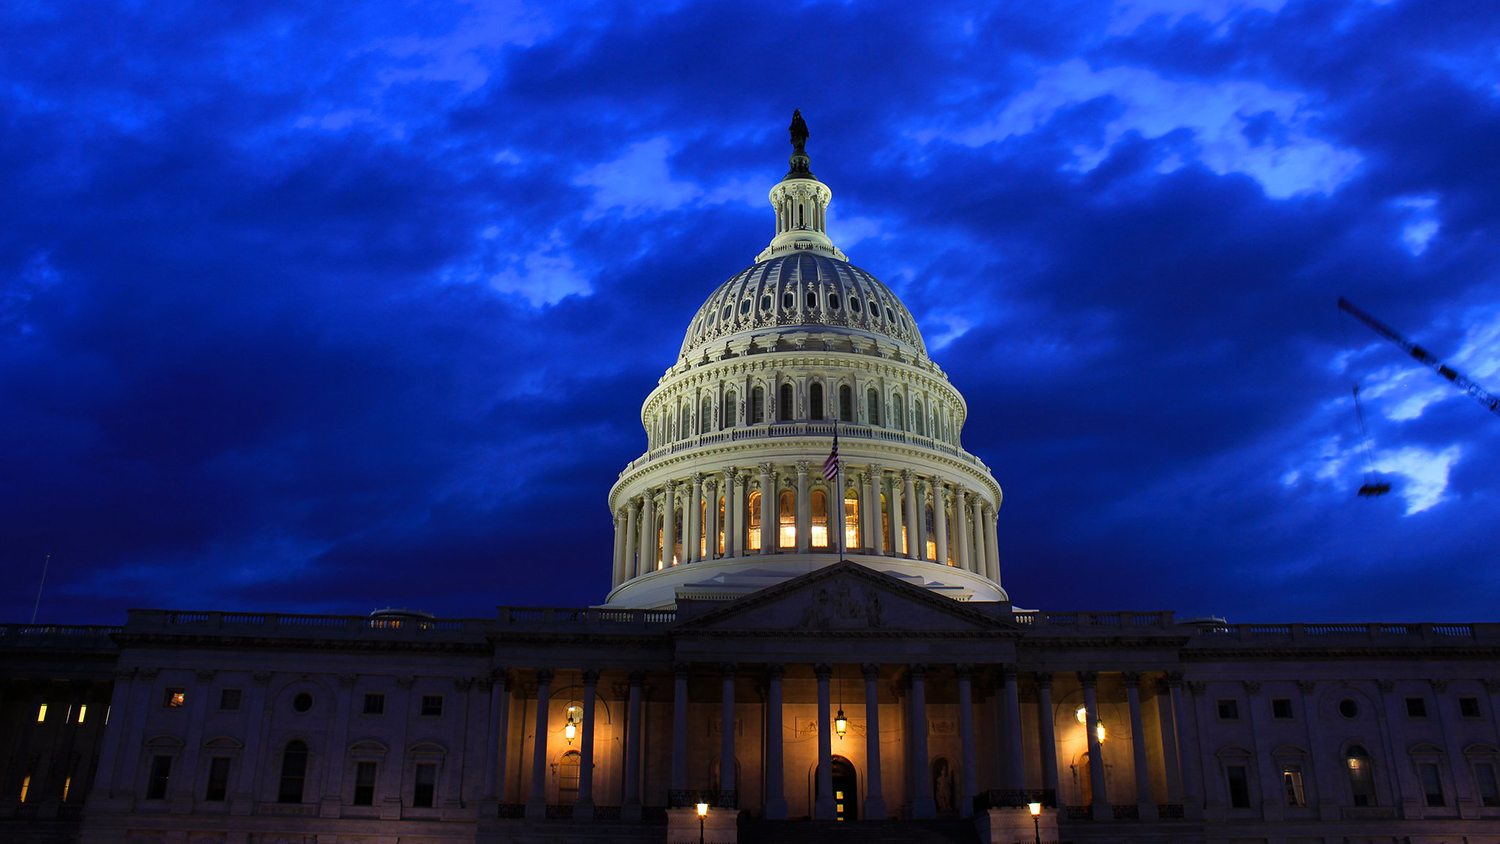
(909, 499)
(1048, 729)
(976, 530)
(966, 739)
(1015, 764)
(923, 808)
(726, 735)
(583, 806)
(1187, 746)
(732, 530)
(1464, 796)
(961, 530)
(1102, 810)
(1143, 801)
(668, 524)
(632, 535)
(711, 543)
(874, 800)
(824, 809)
(647, 561)
(742, 516)
(679, 727)
(255, 730)
(992, 541)
(1170, 762)
(940, 519)
(498, 734)
(873, 539)
(767, 510)
(630, 808)
(691, 552)
(776, 808)
(893, 515)
(838, 519)
(618, 569)
(804, 509)
(104, 780)
(921, 486)
(333, 788)
(536, 806)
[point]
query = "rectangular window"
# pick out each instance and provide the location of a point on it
(218, 779)
(1468, 707)
(1229, 710)
(1281, 708)
(364, 784)
(25, 786)
(1489, 785)
(1291, 783)
(83, 709)
(41, 713)
(1432, 783)
(1416, 707)
(67, 786)
(174, 698)
(426, 784)
(229, 700)
(1239, 786)
(161, 771)
(432, 704)
(374, 703)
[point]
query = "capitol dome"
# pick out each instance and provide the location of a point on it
(731, 494)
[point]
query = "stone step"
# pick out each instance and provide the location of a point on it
(858, 832)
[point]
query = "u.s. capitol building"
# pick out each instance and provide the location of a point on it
(810, 648)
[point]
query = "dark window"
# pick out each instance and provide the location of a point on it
(161, 771)
(1348, 708)
(728, 309)
(293, 773)
(374, 703)
(765, 302)
(872, 407)
(1432, 783)
(846, 404)
(1468, 707)
(812, 300)
(432, 704)
(788, 301)
(567, 772)
(1416, 707)
(745, 307)
(706, 417)
(1489, 786)
(174, 698)
(1281, 708)
(731, 409)
(1239, 787)
(784, 407)
(302, 702)
(421, 795)
(815, 401)
(1229, 710)
(710, 322)
(218, 779)
(229, 700)
(890, 315)
(833, 301)
(757, 405)
(854, 304)
(364, 784)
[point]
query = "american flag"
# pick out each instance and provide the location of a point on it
(831, 465)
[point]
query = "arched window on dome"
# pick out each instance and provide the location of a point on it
(919, 418)
(815, 401)
(706, 416)
(731, 409)
(786, 519)
(930, 552)
(784, 404)
(851, 518)
(898, 413)
(846, 403)
(757, 405)
(872, 406)
(819, 535)
(685, 422)
(752, 524)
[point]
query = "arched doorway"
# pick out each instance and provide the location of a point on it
(845, 790)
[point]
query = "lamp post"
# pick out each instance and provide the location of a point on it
(702, 813)
(1036, 823)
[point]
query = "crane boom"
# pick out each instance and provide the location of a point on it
(1423, 356)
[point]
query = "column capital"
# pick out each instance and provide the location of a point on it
(205, 675)
(776, 670)
(1307, 687)
(681, 669)
(1439, 686)
(729, 669)
(1089, 679)
(919, 671)
(591, 677)
(670, 486)
(1132, 679)
(1044, 679)
(125, 674)
(871, 670)
(634, 504)
(463, 684)
(1008, 672)
(698, 478)
(875, 470)
(1174, 679)
(965, 670)
(1197, 687)
(801, 469)
(544, 676)
(710, 485)
(907, 475)
(501, 676)
(1386, 686)
(637, 677)
(1491, 684)
(1251, 686)
(732, 473)
(150, 673)
(823, 670)
(766, 469)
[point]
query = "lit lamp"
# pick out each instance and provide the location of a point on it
(570, 729)
(702, 813)
(1036, 823)
(840, 723)
(1099, 731)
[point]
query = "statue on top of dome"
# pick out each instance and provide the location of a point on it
(799, 132)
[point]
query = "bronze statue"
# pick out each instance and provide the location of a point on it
(799, 132)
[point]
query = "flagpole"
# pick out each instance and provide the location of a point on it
(843, 511)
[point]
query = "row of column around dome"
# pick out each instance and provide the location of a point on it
(792, 509)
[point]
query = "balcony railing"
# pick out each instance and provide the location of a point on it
(1100, 622)
(779, 430)
(57, 636)
(240, 623)
(1014, 798)
(550, 617)
(690, 797)
(1316, 634)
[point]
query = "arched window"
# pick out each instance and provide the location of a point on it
(819, 501)
(722, 526)
(815, 401)
(757, 405)
(931, 549)
(872, 406)
(567, 775)
(293, 772)
(786, 519)
(918, 418)
(784, 406)
(752, 530)
(660, 539)
(898, 413)
(1361, 775)
(703, 529)
(846, 404)
(851, 518)
(731, 409)
(885, 524)
(685, 422)
(706, 417)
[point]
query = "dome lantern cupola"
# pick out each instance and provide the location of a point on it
(801, 204)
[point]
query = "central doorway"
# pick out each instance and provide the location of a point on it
(845, 790)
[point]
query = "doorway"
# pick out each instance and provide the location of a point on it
(845, 790)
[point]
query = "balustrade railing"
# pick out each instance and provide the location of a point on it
(1014, 798)
(689, 797)
(778, 430)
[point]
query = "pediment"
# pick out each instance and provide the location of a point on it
(846, 599)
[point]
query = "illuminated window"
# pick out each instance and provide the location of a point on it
(1291, 784)
(293, 772)
(218, 779)
(703, 528)
(174, 698)
(731, 405)
(785, 406)
(872, 407)
(425, 788)
(885, 524)
(757, 405)
(156, 782)
(676, 536)
(851, 519)
(1361, 781)
(567, 772)
(67, 787)
(25, 786)
(364, 783)
(752, 533)
(722, 527)
(786, 519)
(931, 537)
(819, 535)
(846, 404)
(815, 401)
(41, 713)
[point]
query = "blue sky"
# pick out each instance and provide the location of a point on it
(328, 306)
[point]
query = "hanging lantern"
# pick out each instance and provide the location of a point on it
(840, 723)
(1099, 731)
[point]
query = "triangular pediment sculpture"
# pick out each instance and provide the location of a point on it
(847, 598)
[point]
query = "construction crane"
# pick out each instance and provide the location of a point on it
(1423, 356)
